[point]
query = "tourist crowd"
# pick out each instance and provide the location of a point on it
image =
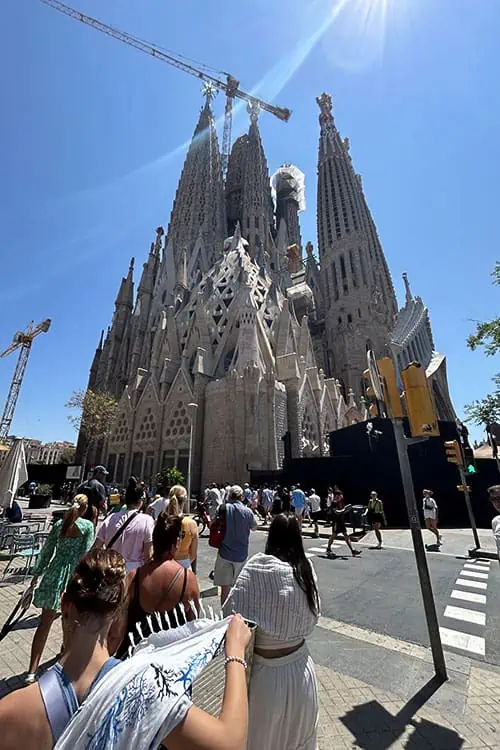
(136, 636)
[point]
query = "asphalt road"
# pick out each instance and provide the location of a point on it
(379, 591)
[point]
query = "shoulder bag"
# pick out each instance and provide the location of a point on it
(217, 530)
(120, 531)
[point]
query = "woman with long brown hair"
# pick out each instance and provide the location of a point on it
(278, 591)
(68, 541)
(160, 586)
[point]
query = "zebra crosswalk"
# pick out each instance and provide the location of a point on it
(465, 619)
(321, 550)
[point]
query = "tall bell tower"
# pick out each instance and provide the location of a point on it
(360, 304)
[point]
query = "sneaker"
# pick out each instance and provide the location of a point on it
(440, 539)
(379, 546)
(356, 552)
(30, 678)
(315, 535)
(329, 553)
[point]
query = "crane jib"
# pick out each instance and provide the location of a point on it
(230, 86)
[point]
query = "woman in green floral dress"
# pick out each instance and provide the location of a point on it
(69, 540)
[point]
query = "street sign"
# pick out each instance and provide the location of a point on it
(73, 472)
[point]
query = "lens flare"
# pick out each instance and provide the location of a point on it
(357, 37)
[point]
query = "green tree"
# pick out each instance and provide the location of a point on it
(166, 478)
(487, 335)
(94, 417)
(487, 410)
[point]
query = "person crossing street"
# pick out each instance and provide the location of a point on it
(338, 524)
(314, 501)
(298, 502)
(375, 516)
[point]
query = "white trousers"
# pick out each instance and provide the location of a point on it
(283, 703)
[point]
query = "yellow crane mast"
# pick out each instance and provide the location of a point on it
(22, 341)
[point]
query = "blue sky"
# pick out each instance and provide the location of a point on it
(91, 148)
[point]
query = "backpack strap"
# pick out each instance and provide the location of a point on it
(54, 700)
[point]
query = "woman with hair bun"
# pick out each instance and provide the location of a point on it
(36, 716)
(68, 541)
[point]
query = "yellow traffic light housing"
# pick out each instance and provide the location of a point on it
(370, 395)
(419, 403)
(391, 390)
(453, 452)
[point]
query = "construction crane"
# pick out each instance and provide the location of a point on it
(230, 85)
(23, 341)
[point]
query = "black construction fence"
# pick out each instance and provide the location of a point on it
(360, 463)
(52, 474)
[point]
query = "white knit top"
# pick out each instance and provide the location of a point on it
(267, 593)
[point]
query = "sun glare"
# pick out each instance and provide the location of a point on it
(358, 30)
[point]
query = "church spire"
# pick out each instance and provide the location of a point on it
(408, 294)
(125, 296)
(360, 304)
(199, 201)
(248, 189)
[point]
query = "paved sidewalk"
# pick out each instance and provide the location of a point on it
(375, 692)
(355, 714)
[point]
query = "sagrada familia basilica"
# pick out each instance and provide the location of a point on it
(240, 340)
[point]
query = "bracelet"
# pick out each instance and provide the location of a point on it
(237, 660)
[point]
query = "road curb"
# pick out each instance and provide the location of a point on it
(211, 591)
(488, 554)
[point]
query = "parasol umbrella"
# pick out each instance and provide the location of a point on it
(13, 473)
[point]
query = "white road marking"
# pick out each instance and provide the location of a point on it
(309, 556)
(471, 584)
(466, 615)
(473, 566)
(468, 596)
(463, 641)
(323, 549)
(481, 561)
(473, 574)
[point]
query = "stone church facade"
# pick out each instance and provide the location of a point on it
(234, 345)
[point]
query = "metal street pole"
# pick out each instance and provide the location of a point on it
(420, 556)
(472, 520)
(192, 413)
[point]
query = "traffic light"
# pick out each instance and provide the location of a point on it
(391, 389)
(453, 452)
(419, 404)
(469, 461)
(370, 397)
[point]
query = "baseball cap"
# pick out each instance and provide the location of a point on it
(100, 470)
(236, 490)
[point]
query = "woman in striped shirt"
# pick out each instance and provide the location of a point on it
(277, 590)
